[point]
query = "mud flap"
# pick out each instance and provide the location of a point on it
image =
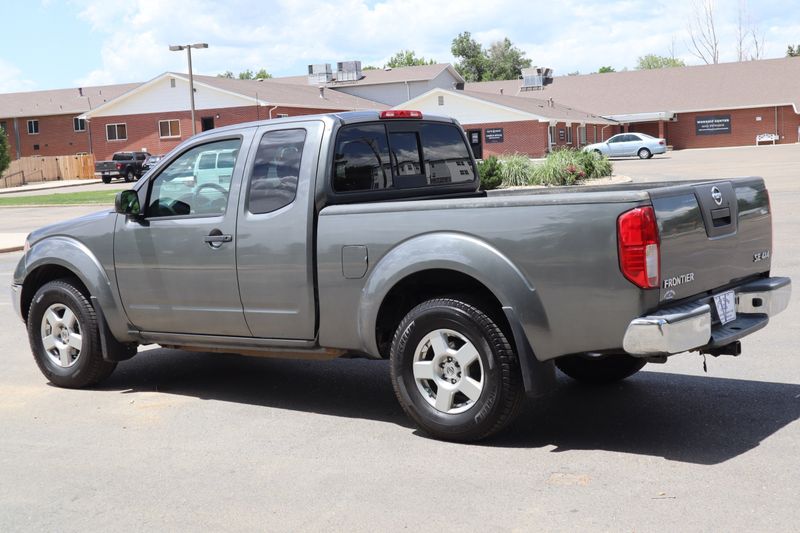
(539, 378)
(112, 349)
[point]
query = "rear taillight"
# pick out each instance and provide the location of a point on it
(401, 113)
(639, 258)
(119, 166)
(662, 142)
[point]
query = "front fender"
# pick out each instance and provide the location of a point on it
(450, 251)
(76, 257)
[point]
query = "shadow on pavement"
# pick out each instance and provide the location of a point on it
(694, 419)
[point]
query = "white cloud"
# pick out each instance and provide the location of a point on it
(12, 79)
(285, 35)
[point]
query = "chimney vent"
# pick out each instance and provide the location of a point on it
(80, 91)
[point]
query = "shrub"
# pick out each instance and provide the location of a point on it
(489, 171)
(5, 157)
(567, 165)
(516, 170)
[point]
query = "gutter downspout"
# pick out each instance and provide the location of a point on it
(16, 138)
(408, 91)
(89, 127)
(602, 132)
(273, 108)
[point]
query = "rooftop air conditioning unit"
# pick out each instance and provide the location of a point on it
(535, 78)
(348, 71)
(319, 74)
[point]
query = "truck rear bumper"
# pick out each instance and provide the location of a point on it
(692, 326)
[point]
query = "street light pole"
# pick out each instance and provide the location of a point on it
(188, 48)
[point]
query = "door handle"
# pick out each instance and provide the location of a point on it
(216, 238)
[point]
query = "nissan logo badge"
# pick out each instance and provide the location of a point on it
(716, 195)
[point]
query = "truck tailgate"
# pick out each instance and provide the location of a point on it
(712, 234)
(102, 166)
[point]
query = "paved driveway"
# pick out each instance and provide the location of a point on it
(182, 441)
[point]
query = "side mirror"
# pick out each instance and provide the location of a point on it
(127, 203)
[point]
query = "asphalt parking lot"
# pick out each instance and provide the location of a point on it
(183, 441)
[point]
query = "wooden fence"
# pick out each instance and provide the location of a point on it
(52, 168)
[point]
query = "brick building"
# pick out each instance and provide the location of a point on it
(155, 116)
(499, 124)
(727, 104)
(46, 122)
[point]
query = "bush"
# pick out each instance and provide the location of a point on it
(568, 165)
(489, 171)
(516, 170)
(5, 157)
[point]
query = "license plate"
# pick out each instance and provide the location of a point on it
(726, 306)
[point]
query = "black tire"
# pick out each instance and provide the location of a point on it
(501, 393)
(130, 176)
(598, 370)
(88, 367)
(644, 153)
(106, 179)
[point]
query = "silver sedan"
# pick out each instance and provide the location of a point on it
(629, 144)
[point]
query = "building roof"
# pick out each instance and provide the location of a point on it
(747, 84)
(59, 101)
(383, 76)
(289, 95)
(258, 93)
(552, 110)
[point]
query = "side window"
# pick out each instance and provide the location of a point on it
(273, 183)
(361, 161)
(194, 183)
(445, 155)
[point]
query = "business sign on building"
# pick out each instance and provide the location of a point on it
(494, 135)
(712, 124)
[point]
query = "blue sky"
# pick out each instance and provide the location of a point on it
(67, 43)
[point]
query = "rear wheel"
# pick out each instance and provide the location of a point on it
(64, 338)
(454, 372)
(106, 179)
(599, 369)
(644, 153)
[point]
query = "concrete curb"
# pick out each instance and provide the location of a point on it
(17, 190)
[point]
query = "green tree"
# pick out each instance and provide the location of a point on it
(246, 75)
(408, 58)
(5, 156)
(226, 74)
(263, 74)
(651, 61)
(370, 67)
(506, 61)
(793, 51)
(605, 70)
(472, 62)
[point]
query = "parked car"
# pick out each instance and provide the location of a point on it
(125, 165)
(150, 162)
(629, 144)
(323, 244)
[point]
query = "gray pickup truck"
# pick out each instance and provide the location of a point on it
(366, 234)
(125, 165)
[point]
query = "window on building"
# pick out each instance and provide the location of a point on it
(569, 134)
(35, 147)
(169, 128)
(33, 127)
(276, 170)
(116, 132)
(3, 127)
(595, 133)
(551, 131)
(582, 135)
(441, 100)
(172, 82)
(78, 124)
(282, 115)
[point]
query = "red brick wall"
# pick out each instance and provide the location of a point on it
(744, 127)
(528, 137)
(56, 136)
(143, 129)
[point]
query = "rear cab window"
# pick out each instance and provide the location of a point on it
(400, 159)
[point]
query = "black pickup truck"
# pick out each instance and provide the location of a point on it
(126, 165)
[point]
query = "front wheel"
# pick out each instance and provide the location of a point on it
(130, 176)
(64, 338)
(106, 179)
(644, 153)
(454, 371)
(599, 369)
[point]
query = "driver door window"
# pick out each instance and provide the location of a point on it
(196, 183)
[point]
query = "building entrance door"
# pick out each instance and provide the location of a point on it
(476, 143)
(207, 123)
